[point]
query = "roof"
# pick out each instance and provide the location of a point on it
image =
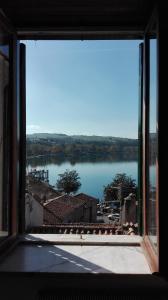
(56, 206)
(71, 200)
(62, 206)
(40, 190)
(60, 210)
(50, 217)
(79, 19)
(86, 197)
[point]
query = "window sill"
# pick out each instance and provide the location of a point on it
(84, 239)
(59, 254)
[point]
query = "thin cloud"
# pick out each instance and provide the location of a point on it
(37, 129)
(33, 128)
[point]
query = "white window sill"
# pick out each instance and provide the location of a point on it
(84, 239)
(45, 253)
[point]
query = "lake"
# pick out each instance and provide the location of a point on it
(93, 174)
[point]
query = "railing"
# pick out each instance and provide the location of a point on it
(78, 228)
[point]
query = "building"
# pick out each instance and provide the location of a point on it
(129, 209)
(62, 209)
(72, 209)
(33, 211)
(42, 189)
(46, 206)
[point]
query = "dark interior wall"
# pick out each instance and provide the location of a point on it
(79, 19)
(74, 13)
(113, 287)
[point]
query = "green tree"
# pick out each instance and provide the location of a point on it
(68, 182)
(126, 182)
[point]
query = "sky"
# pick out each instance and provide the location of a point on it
(82, 87)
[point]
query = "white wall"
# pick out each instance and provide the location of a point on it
(33, 212)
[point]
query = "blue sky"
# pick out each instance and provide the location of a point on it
(83, 87)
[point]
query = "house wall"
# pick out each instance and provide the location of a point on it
(90, 213)
(33, 212)
(94, 210)
(75, 216)
(128, 213)
(84, 213)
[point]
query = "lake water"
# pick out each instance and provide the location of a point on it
(93, 175)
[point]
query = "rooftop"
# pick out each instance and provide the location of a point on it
(85, 197)
(62, 206)
(58, 208)
(42, 190)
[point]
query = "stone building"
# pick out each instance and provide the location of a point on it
(129, 209)
(70, 209)
(46, 206)
(34, 211)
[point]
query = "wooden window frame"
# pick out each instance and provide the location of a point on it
(13, 137)
(16, 135)
(152, 256)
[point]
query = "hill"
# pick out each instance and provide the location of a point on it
(83, 146)
(59, 137)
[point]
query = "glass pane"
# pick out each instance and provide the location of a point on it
(4, 81)
(152, 221)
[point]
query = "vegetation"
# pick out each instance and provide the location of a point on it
(68, 182)
(87, 147)
(126, 182)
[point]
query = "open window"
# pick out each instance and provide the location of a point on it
(94, 125)
(148, 193)
(9, 131)
(150, 144)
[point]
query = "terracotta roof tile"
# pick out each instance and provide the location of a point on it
(50, 217)
(71, 200)
(43, 190)
(85, 197)
(61, 207)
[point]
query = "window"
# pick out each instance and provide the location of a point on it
(150, 145)
(153, 143)
(150, 164)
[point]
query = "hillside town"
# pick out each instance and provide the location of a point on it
(46, 208)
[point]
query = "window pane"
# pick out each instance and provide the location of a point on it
(152, 222)
(4, 80)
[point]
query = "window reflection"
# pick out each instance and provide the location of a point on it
(152, 220)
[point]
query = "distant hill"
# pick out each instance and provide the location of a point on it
(81, 147)
(78, 138)
(45, 135)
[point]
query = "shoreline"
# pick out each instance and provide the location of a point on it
(96, 158)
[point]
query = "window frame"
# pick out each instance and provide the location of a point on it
(152, 256)
(12, 163)
(17, 182)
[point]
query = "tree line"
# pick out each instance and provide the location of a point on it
(86, 150)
